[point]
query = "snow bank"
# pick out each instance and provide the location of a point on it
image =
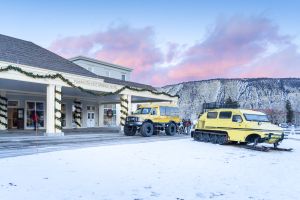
(177, 169)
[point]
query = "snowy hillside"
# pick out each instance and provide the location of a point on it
(263, 94)
(177, 169)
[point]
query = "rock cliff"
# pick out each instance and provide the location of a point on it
(269, 95)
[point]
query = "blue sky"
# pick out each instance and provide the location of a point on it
(184, 23)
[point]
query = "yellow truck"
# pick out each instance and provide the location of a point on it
(224, 126)
(150, 119)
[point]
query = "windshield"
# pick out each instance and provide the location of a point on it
(256, 118)
(142, 111)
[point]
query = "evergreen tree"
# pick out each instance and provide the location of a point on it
(289, 112)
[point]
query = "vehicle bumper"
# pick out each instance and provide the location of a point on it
(137, 124)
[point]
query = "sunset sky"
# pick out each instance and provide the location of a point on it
(167, 42)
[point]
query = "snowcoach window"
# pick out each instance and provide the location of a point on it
(256, 118)
(212, 115)
(237, 118)
(225, 115)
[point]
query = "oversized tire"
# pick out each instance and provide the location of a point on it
(130, 130)
(171, 129)
(147, 129)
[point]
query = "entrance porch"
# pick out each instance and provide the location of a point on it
(60, 107)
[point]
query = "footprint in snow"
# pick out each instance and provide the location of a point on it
(12, 184)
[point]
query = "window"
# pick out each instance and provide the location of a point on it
(153, 111)
(12, 104)
(35, 107)
(107, 73)
(237, 118)
(256, 118)
(123, 77)
(162, 111)
(142, 111)
(225, 115)
(91, 108)
(212, 115)
(109, 120)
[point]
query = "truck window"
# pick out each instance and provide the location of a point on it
(225, 115)
(162, 110)
(212, 115)
(153, 111)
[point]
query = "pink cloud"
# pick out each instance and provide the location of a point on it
(234, 47)
(122, 45)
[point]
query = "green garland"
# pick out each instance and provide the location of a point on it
(4, 110)
(68, 82)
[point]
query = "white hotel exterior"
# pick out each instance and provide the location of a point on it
(76, 93)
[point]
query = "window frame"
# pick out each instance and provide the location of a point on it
(225, 117)
(216, 116)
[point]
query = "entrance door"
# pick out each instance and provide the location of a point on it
(91, 119)
(12, 117)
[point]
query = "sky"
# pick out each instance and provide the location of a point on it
(167, 42)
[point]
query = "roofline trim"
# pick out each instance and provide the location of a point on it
(100, 62)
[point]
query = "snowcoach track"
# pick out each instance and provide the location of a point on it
(222, 138)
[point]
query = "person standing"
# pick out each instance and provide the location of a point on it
(35, 119)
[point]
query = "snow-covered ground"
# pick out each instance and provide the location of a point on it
(177, 169)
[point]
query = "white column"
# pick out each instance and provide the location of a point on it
(3, 111)
(129, 104)
(101, 114)
(50, 124)
(125, 108)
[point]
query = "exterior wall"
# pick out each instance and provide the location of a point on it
(22, 99)
(103, 70)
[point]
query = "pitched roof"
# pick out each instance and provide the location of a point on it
(27, 53)
(127, 83)
(23, 52)
(100, 62)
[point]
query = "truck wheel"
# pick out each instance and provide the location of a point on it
(130, 130)
(147, 129)
(171, 129)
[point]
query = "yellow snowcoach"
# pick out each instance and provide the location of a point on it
(223, 126)
(150, 119)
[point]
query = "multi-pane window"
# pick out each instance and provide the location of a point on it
(109, 120)
(32, 108)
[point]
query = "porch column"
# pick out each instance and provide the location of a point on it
(78, 113)
(125, 108)
(3, 111)
(58, 114)
(50, 127)
(54, 126)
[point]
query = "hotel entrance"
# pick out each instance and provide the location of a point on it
(15, 115)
